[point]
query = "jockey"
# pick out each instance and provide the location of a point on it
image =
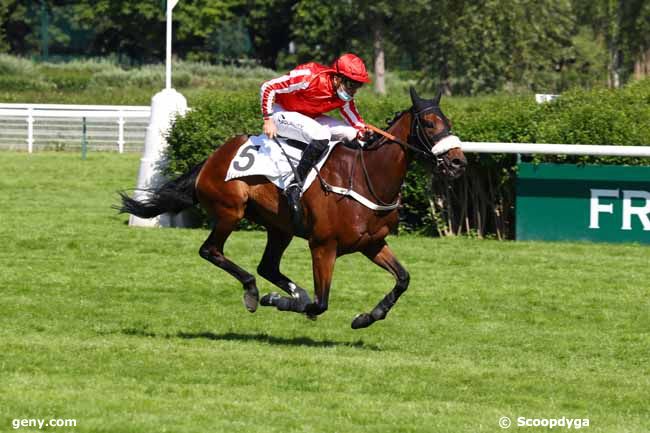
(293, 106)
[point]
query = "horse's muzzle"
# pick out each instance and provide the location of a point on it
(452, 163)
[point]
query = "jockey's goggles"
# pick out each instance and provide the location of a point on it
(351, 84)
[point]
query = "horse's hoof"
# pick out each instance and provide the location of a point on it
(301, 295)
(362, 320)
(251, 298)
(270, 299)
(311, 317)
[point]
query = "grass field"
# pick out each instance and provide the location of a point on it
(128, 330)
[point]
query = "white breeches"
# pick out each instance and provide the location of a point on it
(296, 126)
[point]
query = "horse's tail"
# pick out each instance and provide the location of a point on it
(174, 196)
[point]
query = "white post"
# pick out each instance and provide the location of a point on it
(168, 62)
(30, 130)
(165, 106)
(120, 132)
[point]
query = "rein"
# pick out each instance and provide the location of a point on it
(382, 206)
(416, 133)
(402, 143)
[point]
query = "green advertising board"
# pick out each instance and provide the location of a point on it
(585, 202)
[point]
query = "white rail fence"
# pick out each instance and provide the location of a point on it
(122, 128)
(556, 149)
(57, 126)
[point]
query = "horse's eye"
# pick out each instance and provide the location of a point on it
(429, 124)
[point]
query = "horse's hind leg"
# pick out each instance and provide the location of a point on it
(383, 256)
(269, 268)
(212, 251)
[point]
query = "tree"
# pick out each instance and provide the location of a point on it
(20, 27)
(324, 30)
(375, 19)
(624, 26)
(485, 45)
(4, 12)
(269, 23)
(636, 35)
(209, 30)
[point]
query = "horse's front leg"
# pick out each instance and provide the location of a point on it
(383, 256)
(323, 257)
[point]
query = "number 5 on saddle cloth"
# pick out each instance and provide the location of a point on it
(262, 156)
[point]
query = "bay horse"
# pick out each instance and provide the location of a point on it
(334, 224)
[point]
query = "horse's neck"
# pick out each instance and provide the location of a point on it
(387, 165)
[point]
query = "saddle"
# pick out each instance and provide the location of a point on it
(260, 155)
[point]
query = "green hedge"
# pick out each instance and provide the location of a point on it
(480, 203)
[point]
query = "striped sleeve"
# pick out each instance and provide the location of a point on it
(298, 79)
(352, 116)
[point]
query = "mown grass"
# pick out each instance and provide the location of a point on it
(128, 330)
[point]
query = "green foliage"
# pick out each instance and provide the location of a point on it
(270, 23)
(17, 83)
(98, 78)
(148, 76)
(4, 44)
(66, 79)
(469, 47)
(494, 45)
(415, 212)
(322, 30)
(12, 65)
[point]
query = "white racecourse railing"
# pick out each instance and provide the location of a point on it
(58, 123)
(556, 149)
(63, 123)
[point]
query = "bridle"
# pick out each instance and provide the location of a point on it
(419, 135)
(423, 141)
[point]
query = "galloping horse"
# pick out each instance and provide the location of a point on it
(334, 224)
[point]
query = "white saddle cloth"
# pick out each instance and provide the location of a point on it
(262, 156)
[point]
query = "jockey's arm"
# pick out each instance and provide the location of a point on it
(294, 81)
(353, 118)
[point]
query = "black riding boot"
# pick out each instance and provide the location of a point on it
(310, 157)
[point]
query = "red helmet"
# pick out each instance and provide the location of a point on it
(352, 67)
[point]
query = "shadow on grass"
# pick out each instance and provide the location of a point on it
(259, 338)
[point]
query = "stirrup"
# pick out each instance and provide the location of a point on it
(292, 186)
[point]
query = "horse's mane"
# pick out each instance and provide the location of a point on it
(389, 123)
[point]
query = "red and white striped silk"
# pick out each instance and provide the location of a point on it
(308, 90)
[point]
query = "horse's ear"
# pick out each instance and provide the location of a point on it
(414, 96)
(436, 100)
